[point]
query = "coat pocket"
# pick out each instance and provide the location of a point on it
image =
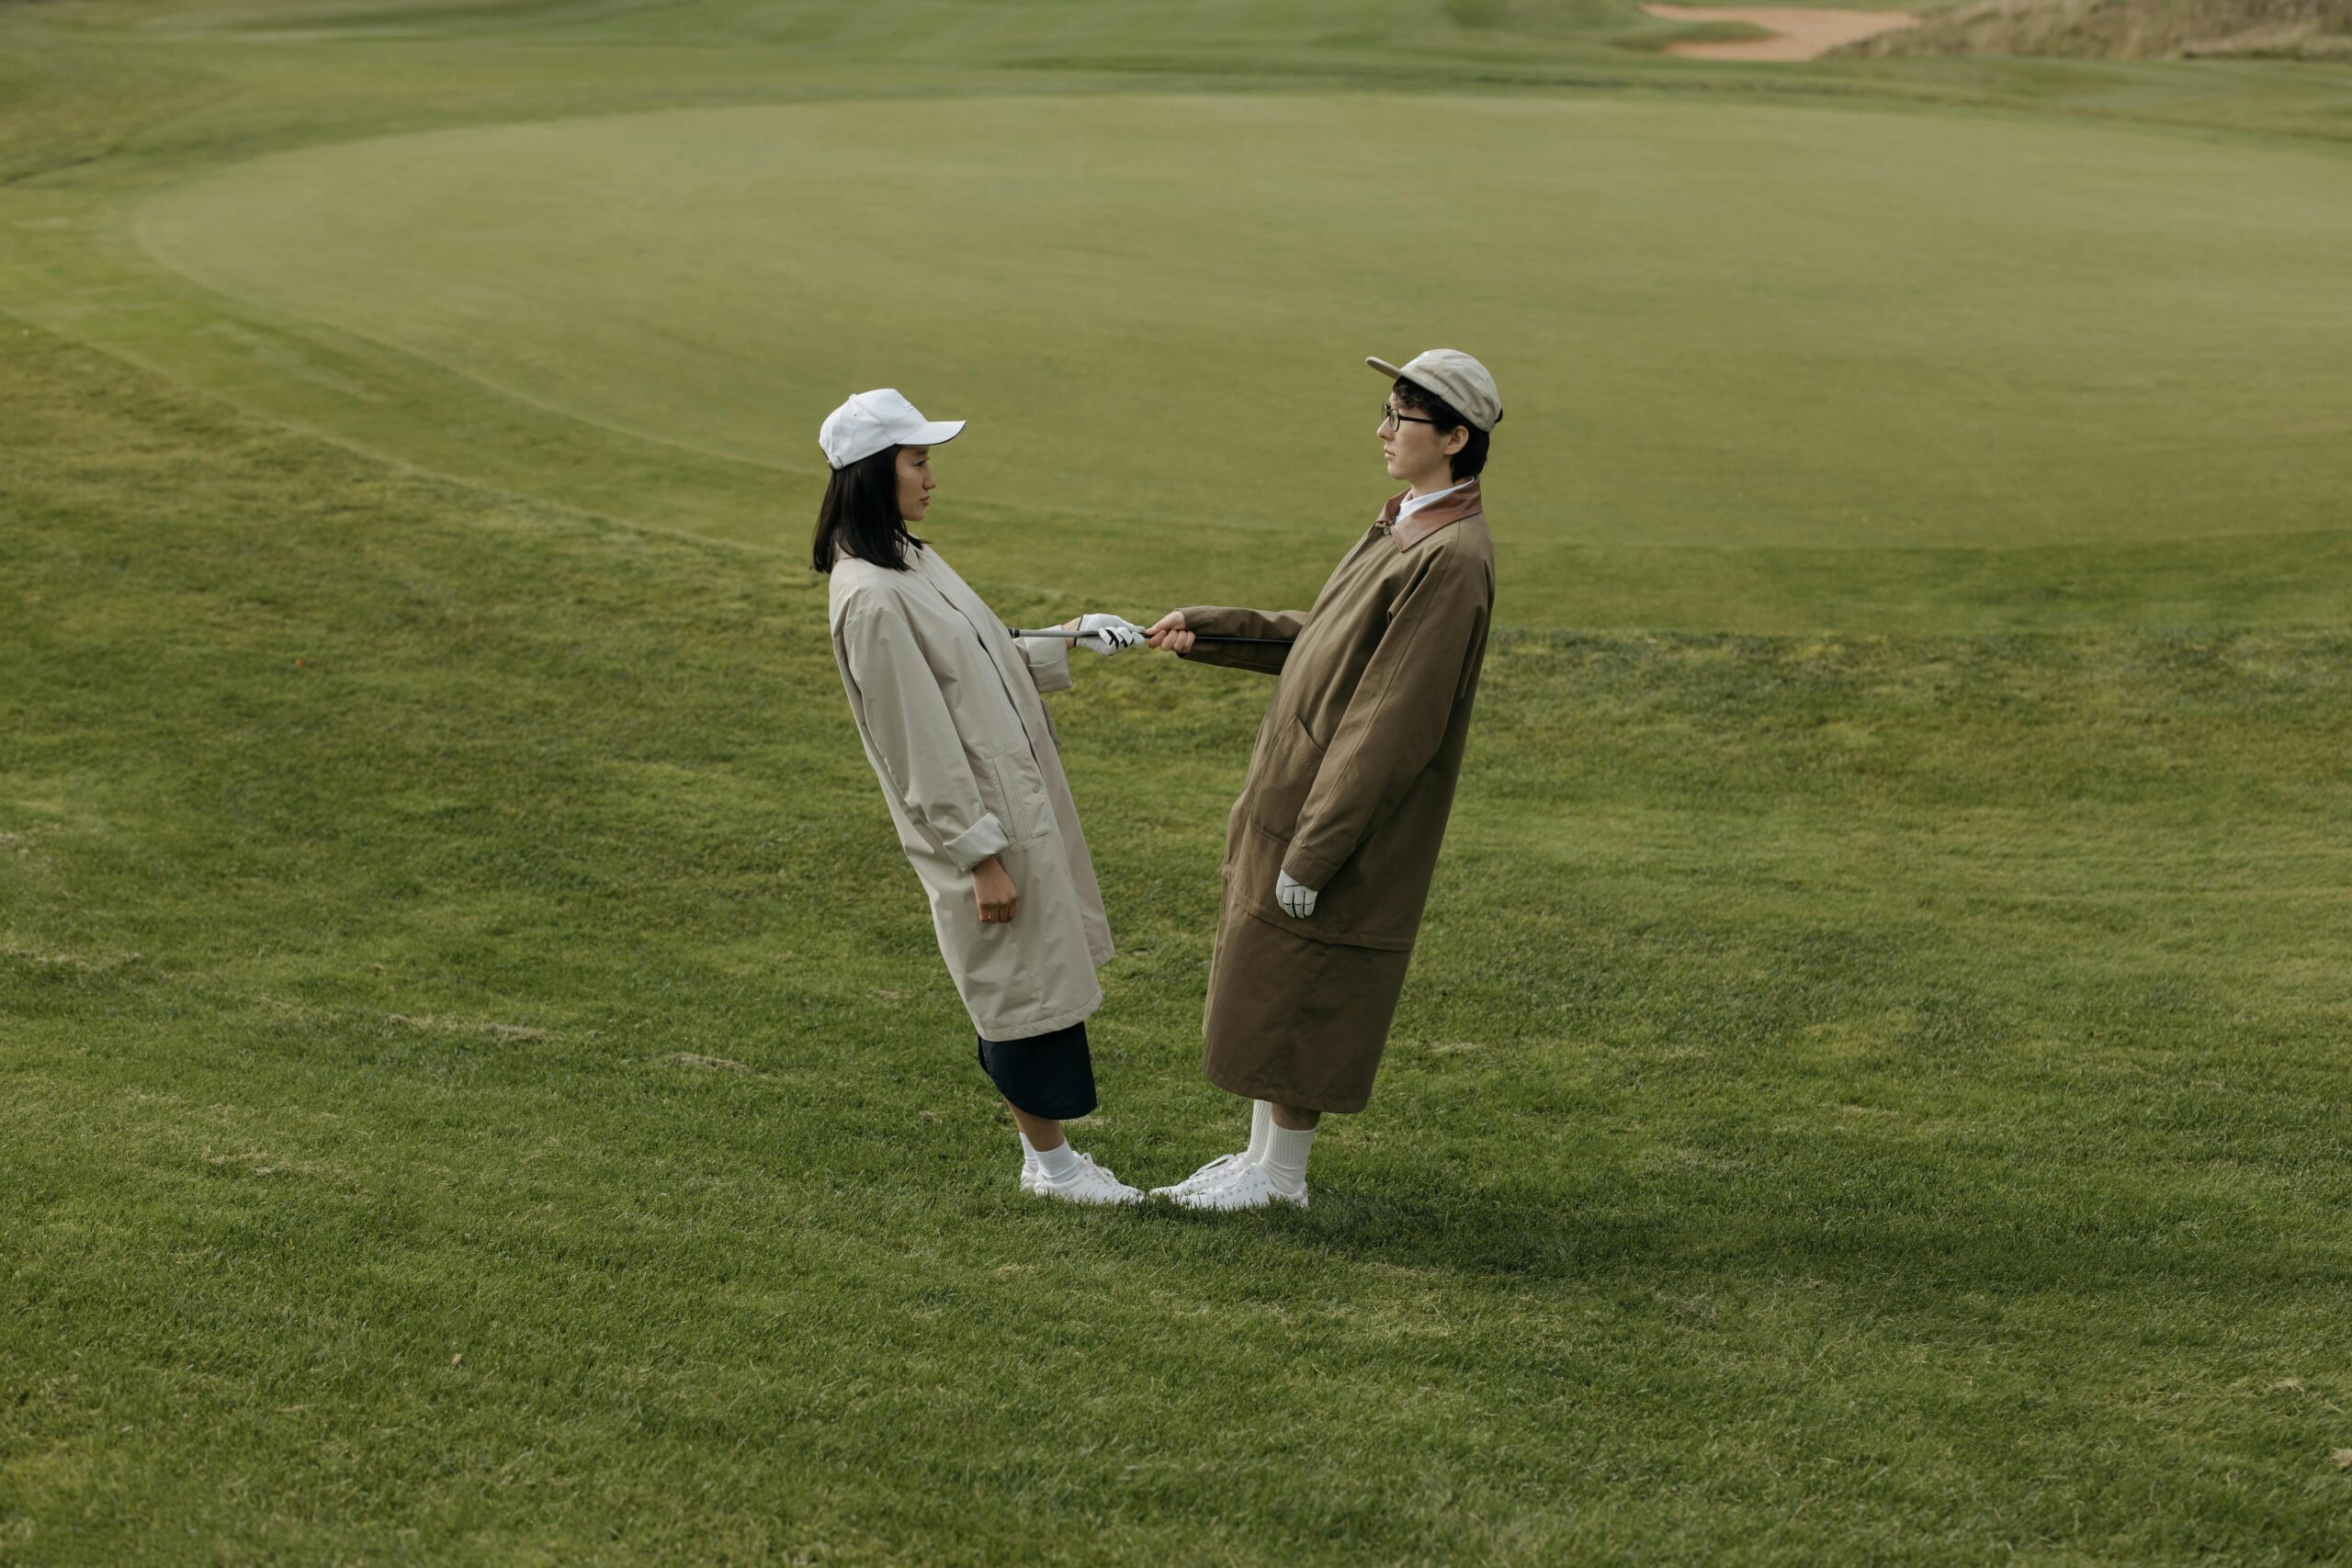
(1287, 760)
(1021, 803)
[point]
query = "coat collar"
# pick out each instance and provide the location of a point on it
(1463, 502)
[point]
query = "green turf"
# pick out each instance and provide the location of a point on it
(475, 1080)
(1715, 325)
(1826, 355)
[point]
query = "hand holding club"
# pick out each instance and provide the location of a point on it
(1105, 634)
(1168, 634)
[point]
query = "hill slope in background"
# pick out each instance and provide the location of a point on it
(2127, 29)
(2037, 391)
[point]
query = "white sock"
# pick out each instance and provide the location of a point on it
(1028, 1155)
(1287, 1151)
(1261, 1122)
(1059, 1163)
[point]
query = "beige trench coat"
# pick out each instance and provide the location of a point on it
(948, 705)
(1350, 785)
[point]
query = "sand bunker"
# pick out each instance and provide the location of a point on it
(1798, 34)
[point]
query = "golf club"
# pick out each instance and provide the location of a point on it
(1202, 636)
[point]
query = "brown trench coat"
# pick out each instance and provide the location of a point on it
(1349, 784)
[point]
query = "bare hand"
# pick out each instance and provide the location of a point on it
(999, 899)
(1168, 634)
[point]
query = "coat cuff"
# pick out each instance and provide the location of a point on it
(1048, 660)
(1308, 870)
(975, 844)
(1207, 620)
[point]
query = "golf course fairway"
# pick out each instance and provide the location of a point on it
(1726, 327)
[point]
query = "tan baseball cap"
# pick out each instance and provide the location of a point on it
(1453, 376)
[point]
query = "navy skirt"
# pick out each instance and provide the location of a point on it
(1050, 1075)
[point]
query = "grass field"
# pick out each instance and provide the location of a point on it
(476, 1083)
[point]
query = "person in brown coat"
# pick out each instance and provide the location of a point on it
(1330, 850)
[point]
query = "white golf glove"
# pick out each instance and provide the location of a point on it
(1297, 899)
(1108, 633)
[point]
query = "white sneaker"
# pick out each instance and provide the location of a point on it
(1249, 1186)
(1090, 1183)
(1033, 1179)
(1208, 1176)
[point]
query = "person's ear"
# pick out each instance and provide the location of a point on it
(1454, 440)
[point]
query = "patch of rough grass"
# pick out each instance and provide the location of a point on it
(2127, 29)
(1906, 1119)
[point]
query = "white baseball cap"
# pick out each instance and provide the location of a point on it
(877, 421)
(1453, 376)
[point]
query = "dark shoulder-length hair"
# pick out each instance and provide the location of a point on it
(859, 516)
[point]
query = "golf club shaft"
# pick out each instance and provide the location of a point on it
(1202, 637)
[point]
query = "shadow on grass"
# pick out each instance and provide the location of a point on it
(1467, 1229)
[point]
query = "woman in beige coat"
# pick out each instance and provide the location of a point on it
(948, 705)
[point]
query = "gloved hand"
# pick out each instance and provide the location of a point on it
(1296, 898)
(1107, 634)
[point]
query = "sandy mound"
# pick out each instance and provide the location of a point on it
(1797, 34)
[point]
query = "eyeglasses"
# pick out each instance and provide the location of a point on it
(1388, 416)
